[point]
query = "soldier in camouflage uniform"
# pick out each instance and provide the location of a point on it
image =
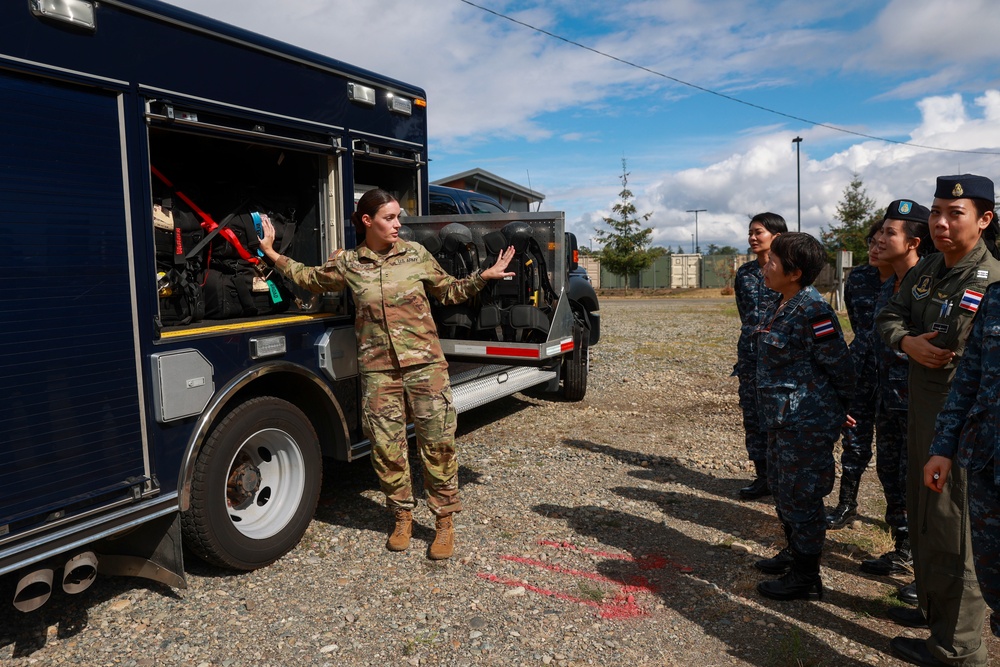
(860, 293)
(752, 299)
(399, 356)
(967, 432)
(805, 382)
(929, 319)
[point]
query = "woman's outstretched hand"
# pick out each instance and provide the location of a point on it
(499, 270)
(267, 241)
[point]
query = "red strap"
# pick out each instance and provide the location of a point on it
(207, 223)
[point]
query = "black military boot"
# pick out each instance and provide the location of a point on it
(780, 562)
(777, 564)
(908, 594)
(848, 505)
(801, 583)
(758, 488)
(897, 561)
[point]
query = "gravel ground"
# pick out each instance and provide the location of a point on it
(604, 532)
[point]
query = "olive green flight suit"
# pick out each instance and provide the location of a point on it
(933, 298)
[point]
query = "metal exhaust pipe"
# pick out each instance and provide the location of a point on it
(33, 590)
(79, 572)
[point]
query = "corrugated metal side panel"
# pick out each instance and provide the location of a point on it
(69, 413)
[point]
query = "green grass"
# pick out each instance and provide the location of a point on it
(591, 592)
(791, 652)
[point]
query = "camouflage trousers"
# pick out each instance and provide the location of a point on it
(423, 391)
(984, 519)
(801, 472)
(856, 440)
(755, 439)
(890, 464)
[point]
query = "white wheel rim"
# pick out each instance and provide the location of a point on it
(266, 509)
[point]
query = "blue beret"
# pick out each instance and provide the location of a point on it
(907, 209)
(964, 186)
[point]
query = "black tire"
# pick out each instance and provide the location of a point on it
(255, 487)
(576, 366)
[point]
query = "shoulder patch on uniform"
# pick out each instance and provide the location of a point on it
(922, 287)
(335, 254)
(822, 327)
(971, 300)
(983, 274)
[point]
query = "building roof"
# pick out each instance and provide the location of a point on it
(477, 179)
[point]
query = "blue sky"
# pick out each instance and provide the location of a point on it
(526, 106)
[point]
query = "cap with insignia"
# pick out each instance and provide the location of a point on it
(964, 186)
(906, 209)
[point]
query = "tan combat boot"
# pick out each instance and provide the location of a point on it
(400, 538)
(443, 545)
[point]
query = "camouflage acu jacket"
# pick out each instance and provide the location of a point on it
(393, 322)
(805, 377)
(968, 426)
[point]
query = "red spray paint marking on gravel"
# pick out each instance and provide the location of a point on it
(622, 606)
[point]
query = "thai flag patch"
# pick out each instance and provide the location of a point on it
(970, 300)
(823, 328)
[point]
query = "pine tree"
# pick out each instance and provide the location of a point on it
(856, 213)
(625, 250)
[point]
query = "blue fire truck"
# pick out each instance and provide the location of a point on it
(160, 385)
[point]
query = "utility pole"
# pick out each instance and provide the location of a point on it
(696, 211)
(798, 181)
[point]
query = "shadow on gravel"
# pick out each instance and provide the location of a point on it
(704, 596)
(756, 519)
(491, 412)
(752, 525)
(664, 469)
(63, 616)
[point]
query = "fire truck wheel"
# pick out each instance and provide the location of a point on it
(255, 487)
(576, 365)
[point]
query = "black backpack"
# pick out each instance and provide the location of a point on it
(233, 286)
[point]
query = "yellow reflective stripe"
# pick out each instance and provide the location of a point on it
(244, 326)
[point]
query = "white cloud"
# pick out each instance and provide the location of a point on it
(762, 175)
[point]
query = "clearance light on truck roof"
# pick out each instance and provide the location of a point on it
(400, 105)
(77, 12)
(363, 94)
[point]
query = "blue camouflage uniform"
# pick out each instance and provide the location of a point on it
(752, 299)
(968, 431)
(860, 294)
(805, 382)
(891, 400)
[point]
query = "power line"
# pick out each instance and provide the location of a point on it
(654, 72)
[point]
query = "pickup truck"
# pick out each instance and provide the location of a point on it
(455, 201)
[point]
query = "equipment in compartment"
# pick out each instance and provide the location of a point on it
(179, 268)
(517, 309)
(233, 286)
(216, 270)
(458, 256)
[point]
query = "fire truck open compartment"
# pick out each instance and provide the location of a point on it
(201, 174)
